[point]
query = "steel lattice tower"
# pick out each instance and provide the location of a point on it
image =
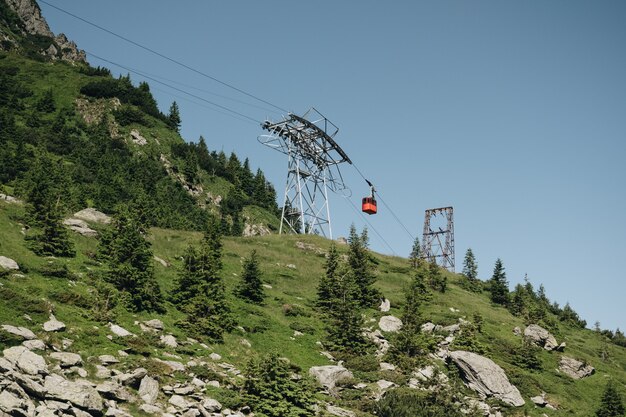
(313, 169)
(438, 245)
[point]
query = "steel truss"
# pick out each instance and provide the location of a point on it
(438, 246)
(312, 170)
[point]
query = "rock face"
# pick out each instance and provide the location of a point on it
(30, 13)
(81, 394)
(93, 216)
(486, 377)
(8, 263)
(540, 337)
(27, 361)
(390, 324)
(575, 368)
(328, 375)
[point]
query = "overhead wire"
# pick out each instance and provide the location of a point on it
(159, 54)
(233, 112)
(229, 111)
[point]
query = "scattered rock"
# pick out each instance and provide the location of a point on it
(486, 377)
(384, 366)
(385, 305)
(329, 375)
(80, 226)
(108, 359)
(339, 412)
(246, 343)
(27, 361)
(174, 365)
(22, 332)
(179, 402)
(575, 368)
(79, 393)
(517, 331)
(428, 327)
(161, 261)
(34, 344)
(103, 372)
(390, 324)
(53, 325)
(215, 356)
(93, 216)
(9, 199)
(539, 400)
(169, 341)
(211, 405)
(151, 409)
(253, 229)
(119, 331)
(540, 337)
(137, 138)
(8, 263)
(67, 359)
(453, 328)
(132, 379)
(114, 391)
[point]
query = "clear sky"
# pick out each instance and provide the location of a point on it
(512, 112)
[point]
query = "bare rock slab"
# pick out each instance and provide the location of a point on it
(149, 390)
(8, 263)
(67, 359)
(329, 375)
(53, 325)
(575, 368)
(27, 361)
(79, 393)
(390, 324)
(22, 332)
(487, 378)
(93, 216)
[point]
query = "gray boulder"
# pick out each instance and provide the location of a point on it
(119, 330)
(79, 393)
(22, 332)
(53, 325)
(27, 361)
(390, 324)
(8, 263)
(487, 378)
(541, 337)
(67, 359)
(575, 368)
(385, 305)
(93, 216)
(80, 226)
(132, 378)
(113, 391)
(329, 375)
(155, 324)
(34, 344)
(149, 390)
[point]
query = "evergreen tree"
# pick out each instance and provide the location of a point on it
(416, 253)
(326, 289)
(361, 267)
(344, 320)
(128, 257)
(498, 285)
(247, 178)
(436, 279)
(174, 117)
(410, 345)
(470, 270)
(611, 405)
(251, 286)
(46, 103)
(200, 290)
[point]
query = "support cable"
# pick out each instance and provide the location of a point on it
(152, 51)
(371, 226)
(233, 112)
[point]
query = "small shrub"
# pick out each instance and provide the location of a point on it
(294, 310)
(365, 363)
(55, 269)
(302, 328)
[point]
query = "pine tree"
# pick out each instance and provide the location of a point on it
(361, 267)
(128, 257)
(498, 285)
(611, 405)
(326, 291)
(174, 117)
(436, 280)
(251, 286)
(470, 270)
(200, 290)
(416, 253)
(46, 102)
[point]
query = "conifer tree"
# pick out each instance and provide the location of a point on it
(470, 270)
(174, 117)
(361, 267)
(498, 285)
(436, 280)
(200, 290)
(611, 405)
(128, 257)
(251, 286)
(326, 289)
(416, 253)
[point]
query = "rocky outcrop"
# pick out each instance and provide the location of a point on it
(81, 227)
(255, 230)
(79, 393)
(541, 337)
(30, 14)
(575, 368)
(487, 378)
(137, 139)
(390, 324)
(329, 375)
(92, 215)
(22, 332)
(27, 361)
(8, 263)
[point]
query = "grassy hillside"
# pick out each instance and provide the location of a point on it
(292, 266)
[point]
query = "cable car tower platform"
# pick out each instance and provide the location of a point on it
(313, 169)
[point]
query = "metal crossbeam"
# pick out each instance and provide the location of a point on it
(438, 246)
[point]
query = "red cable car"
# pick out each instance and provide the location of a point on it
(368, 205)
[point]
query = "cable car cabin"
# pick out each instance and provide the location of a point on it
(369, 205)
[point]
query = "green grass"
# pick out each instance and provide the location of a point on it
(293, 275)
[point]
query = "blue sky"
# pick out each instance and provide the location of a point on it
(512, 112)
